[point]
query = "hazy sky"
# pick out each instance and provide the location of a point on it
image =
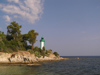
(70, 27)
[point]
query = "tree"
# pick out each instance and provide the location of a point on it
(14, 30)
(2, 43)
(24, 40)
(32, 37)
(25, 37)
(14, 35)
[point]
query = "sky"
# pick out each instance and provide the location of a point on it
(69, 27)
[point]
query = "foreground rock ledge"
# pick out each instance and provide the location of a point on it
(25, 58)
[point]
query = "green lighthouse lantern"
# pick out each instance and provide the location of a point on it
(42, 43)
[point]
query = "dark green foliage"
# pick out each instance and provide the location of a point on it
(14, 30)
(2, 43)
(28, 47)
(25, 37)
(14, 37)
(32, 37)
(9, 37)
(24, 40)
(11, 44)
(56, 54)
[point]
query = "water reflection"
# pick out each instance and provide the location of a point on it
(17, 70)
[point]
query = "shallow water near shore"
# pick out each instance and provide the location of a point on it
(73, 66)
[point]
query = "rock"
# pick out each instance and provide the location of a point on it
(4, 57)
(33, 64)
(51, 55)
(22, 56)
(25, 57)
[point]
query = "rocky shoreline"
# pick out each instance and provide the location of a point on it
(25, 58)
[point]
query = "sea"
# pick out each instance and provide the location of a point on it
(75, 65)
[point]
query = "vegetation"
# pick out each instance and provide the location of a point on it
(56, 54)
(15, 41)
(32, 37)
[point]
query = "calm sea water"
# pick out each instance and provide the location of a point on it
(82, 66)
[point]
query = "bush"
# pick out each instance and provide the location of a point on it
(31, 51)
(27, 46)
(48, 51)
(37, 49)
(56, 54)
(8, 50)
(37, 54)
(43, 53)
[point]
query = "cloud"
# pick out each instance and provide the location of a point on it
(8, 19)
(16, 1)
(28, 10)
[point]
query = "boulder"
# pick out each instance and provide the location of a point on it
(4, 57)
(22, 56)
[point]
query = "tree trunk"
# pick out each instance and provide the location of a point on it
(14, 36)
(32, 46)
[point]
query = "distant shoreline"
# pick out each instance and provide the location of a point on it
(80, 56)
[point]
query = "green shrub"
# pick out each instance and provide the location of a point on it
(48, 51)
(43, 53)
(37, 49)
(8, 50)
(31, 51)
(56, 54)
(37, 54)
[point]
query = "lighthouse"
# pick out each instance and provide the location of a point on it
(42, 43)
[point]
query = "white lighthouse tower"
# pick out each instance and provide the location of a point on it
(42, 43)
